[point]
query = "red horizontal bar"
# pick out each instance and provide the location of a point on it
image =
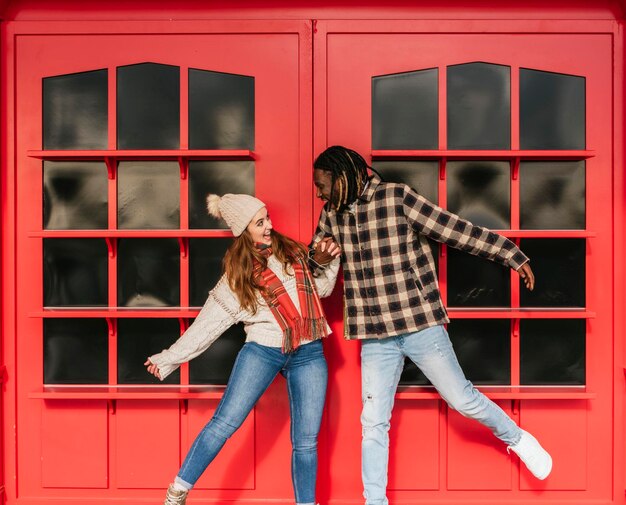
(164, 154)
(530, 313)
(546, 233)
(491, 154)
(134, 392)
(119, 313)
(504, 393)
(131, 233)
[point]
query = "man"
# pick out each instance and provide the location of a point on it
(393, 303)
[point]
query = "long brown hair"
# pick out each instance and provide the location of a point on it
(239, 259)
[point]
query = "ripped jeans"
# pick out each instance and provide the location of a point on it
(382, 361)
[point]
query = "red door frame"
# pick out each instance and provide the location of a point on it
(316, 130)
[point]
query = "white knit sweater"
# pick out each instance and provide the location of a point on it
(222, 310)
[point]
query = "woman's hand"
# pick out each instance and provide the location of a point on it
(326, 250)
(153, 369)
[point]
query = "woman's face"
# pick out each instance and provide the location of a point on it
(260, 228)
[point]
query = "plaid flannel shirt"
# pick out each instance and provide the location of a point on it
(390, 283)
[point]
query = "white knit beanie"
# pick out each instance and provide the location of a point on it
(236, 210)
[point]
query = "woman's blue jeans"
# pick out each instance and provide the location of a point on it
(382, 362)
(255, 368)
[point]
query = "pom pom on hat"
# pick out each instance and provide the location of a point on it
(237, 210)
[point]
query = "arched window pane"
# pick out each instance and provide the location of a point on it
(221, 110)
(75, 111)
(215, 364)
(552, 110)
(148, 107)
(422, 176)
(479, 106)
(205, 266)
(404, 111)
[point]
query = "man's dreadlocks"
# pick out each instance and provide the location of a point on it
(348, 169)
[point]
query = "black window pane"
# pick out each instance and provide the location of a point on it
(479, 106)
(221, 110)
(148, 273)
(552, 110)
(215, 364)
(476, 282)
(559, 268)
(552, 351)
(75, 272)
(552, 195)
(205, 266)
(148, 195)
(404, 111)
(75, 111)
(412, 376)
(75, 195)
(148, 107)
(219, 177)
(136, 340)
(483, 347)
(480, 191)
(422, 176)
(75, 351)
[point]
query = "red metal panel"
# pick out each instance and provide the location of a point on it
(415, 424)
(74, 444)
(475, 458)
(146, 451)
(234, 466)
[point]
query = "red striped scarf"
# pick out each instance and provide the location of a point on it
(309, 323)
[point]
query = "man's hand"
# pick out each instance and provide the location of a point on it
(325, 251)
(526, 273)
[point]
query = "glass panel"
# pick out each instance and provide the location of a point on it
(75, 272)
(412, 376)
(75, 111)
(148, 107)
(404, 111)
(479, 106)
(552, 195)
(483, 347)
(148, 273)
(552, 351)
(480, 191)
(219, 177)
(148, 195)
(215, 364)
(422, 176)
(559, 268)
(552, 110)
(136, 340)
(75, 351)
(75, 195)
(476, 282)
(221, 110)
(205, 266)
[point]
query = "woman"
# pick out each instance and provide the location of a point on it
(267, 286)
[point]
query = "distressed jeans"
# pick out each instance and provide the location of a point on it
(382, 362)
(255, 368)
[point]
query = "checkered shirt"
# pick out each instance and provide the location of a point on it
(390, 283)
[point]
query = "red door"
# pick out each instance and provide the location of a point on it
(119, 136)
(511, 131)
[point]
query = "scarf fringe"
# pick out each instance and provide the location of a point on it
(305, 329)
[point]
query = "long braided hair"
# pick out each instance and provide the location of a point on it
(349, 174)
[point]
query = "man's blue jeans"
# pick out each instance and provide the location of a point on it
(255, 368)
(381, 366)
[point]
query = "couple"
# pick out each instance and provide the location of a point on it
(271, 283)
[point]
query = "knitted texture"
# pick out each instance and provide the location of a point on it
(237, 210)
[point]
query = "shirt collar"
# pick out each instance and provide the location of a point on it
(370, 188)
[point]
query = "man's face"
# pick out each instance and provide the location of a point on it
(323, 183)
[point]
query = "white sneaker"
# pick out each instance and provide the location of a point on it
(535, 457)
